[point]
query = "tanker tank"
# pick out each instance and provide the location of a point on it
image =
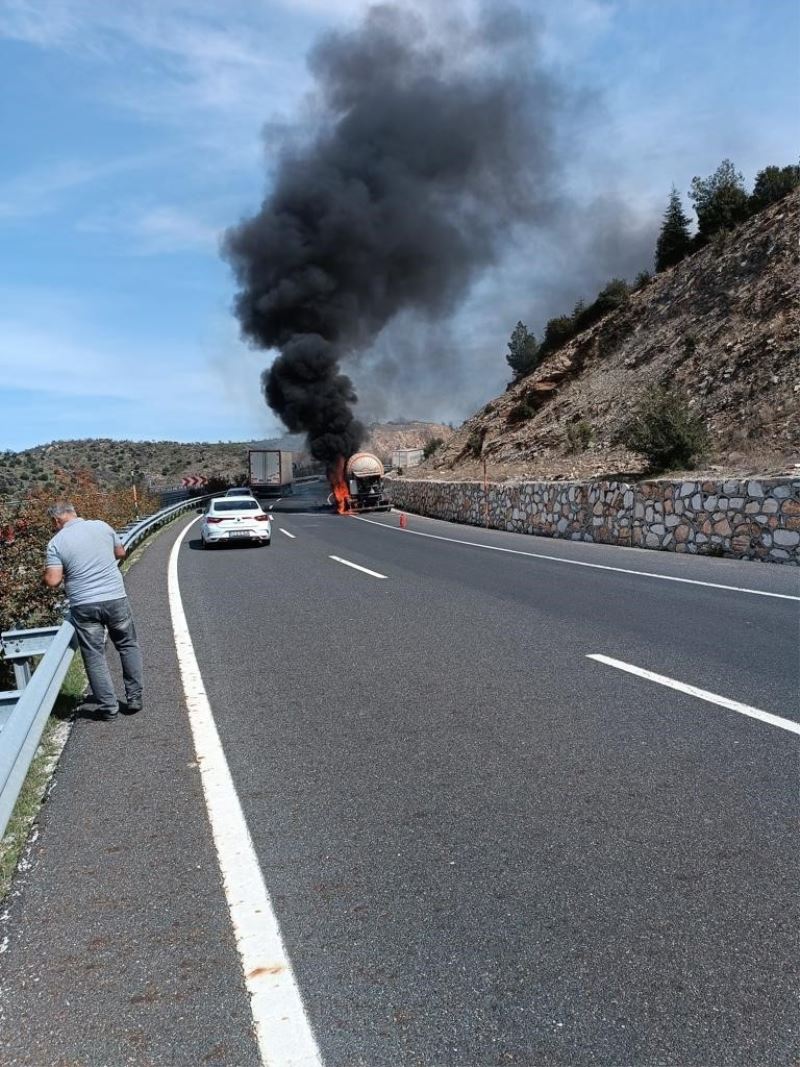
(364, 475)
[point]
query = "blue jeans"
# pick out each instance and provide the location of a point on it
(91, 622)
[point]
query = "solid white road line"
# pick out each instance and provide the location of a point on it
(356, 567)
(578, 562)
(282, 1028)
(701, 694)
(286, 533)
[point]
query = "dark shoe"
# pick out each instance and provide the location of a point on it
(133, 706)
(107, 714)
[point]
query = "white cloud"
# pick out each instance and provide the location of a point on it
(47, 343)
(165, 229)
(170, 60)
(154, 230)
(53, 356)
(45, 24)
(570, 30)
(328, 7)
(43, 189)
(47, 354)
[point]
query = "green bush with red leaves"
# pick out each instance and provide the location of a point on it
(25, 529)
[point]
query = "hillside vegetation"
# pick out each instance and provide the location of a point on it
(158, 464)
(25, 530)
(118, 463)
(718, 332)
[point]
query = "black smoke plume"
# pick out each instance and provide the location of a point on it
(428, 146)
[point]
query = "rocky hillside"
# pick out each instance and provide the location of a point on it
(384, 437)
(721, 326)
(164, 463)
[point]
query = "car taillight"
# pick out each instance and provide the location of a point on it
(263, 518)
(212, 519)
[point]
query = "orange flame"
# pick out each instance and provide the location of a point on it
(342, 497)
(339, 486)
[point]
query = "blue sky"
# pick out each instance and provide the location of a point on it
(133, 135)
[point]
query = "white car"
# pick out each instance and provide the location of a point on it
(240, 490)
(229, 519)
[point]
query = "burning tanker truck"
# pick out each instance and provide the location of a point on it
(361, 488)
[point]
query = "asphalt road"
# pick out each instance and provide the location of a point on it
(482, 846)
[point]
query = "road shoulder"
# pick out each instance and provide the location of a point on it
(117, 941)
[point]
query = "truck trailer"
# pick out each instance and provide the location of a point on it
(407, 457)
(269, 471)
(364, 475)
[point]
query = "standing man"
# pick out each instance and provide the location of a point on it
(84, 554)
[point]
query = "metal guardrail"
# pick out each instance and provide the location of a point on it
(25, 710)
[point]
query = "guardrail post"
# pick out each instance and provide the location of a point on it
(22, 673)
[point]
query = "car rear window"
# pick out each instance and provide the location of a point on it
(235, 505)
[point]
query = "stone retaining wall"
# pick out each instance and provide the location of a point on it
(750, 519)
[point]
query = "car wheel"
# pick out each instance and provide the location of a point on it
(267, 542)
(206, 544)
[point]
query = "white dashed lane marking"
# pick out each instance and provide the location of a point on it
(701, 694)
(356, 567)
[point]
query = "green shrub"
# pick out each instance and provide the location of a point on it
(520, 412)
(579, 436)
(25, 530)
(557, 332)
(431, 447)
(719, 240)
(665, 430)
(474, 445)
(614, 295)
(772, 184)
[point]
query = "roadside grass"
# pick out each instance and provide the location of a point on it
(54, 737)
(36, 783)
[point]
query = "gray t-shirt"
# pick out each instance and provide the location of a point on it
(85, 549)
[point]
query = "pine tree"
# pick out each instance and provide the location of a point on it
(523, 351)
(674, 239)
(720, 201)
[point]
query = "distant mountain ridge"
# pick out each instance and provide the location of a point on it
(164, 463)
